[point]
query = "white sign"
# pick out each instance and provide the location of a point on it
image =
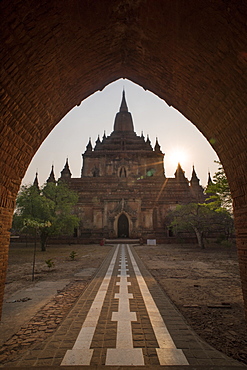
(151, 241)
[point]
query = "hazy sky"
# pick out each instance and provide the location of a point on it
(180, 140)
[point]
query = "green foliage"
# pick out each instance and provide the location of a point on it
(50, 263)
(201, 220)
(226, 243)
(219, 191)
(73, 255)
(48, 211)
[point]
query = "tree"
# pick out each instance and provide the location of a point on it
(47, 211)
(219, 191)
(200, 219)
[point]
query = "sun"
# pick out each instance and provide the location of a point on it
(177, 155)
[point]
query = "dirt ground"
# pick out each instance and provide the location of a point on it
(203, 284)
(20, 264)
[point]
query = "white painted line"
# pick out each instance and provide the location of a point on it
(167, 352)
(124, 354)
(81, 354)
(171, 356)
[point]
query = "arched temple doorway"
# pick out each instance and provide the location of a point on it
(123, 226)
(199, 62)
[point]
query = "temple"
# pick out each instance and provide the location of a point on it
(123, 190)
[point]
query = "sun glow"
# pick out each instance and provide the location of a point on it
(177, 155)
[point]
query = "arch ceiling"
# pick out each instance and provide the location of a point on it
(191, 54)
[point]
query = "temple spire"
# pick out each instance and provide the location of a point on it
(179, 174)
(210, 181)
(51, 178)
(98, 144)
(89, 145)
(157, 146)
(123, 107)
(36, 181)
(65, 173)
(148, 143)
(123, 120)
(194, 179)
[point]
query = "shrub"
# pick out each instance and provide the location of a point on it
(226, 243)
(72, 255)
(50, 263)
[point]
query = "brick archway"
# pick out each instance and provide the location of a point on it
(55, 54)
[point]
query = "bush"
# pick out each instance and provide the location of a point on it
(72, 255)
(50, 263)
(221, 238)
(226, 243)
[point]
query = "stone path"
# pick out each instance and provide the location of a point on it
(123, 318)
(25, 303)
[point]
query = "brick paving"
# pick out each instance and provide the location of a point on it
(44, 322)
(59, 333)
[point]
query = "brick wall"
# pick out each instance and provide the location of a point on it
(56, 53)
(6, 211)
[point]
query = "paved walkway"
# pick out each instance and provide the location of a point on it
(123, 318)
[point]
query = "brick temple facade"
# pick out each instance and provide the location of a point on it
(123, 190)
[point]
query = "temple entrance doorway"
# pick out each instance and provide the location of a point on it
(123, 226)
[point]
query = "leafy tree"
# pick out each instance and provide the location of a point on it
(200, 219)
(47, 211)
(219, 191)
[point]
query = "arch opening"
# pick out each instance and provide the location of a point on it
(201, 75)
(123, 226)
(122, 172)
